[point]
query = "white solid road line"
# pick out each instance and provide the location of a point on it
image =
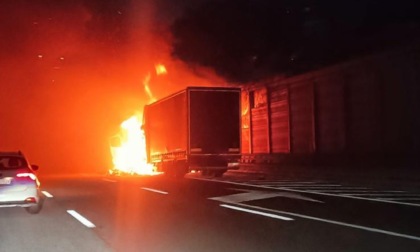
(80, 218)
(275, 216)
(309, 186)
(356, 191)
(384, 194)
(47, 194)
(154, 190)
(285, 183)
(375, 230)
(402, 199)
(109, 180)
(311, 192)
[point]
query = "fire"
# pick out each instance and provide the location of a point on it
(130, 155)
(128, 147)
(160, 69)
(147, 88)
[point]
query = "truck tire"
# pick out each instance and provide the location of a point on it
(182, 169)
(205, 172)
(219, 173)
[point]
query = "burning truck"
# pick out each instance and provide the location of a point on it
(195, 129)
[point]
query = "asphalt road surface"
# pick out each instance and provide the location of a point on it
(126, 213)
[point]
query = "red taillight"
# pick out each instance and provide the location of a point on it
(26, 175)
(30, 200)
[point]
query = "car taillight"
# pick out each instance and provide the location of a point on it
(26, 175)
(30, 200)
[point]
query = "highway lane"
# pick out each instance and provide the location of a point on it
(165, 214)
(51, 230)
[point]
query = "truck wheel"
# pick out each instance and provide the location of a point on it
(178, 169)
(219, 173)
(179, 174)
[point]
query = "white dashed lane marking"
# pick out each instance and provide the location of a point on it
(109, 180)
(47, 194)
(80, 218)
(154, 190)
(274, 216)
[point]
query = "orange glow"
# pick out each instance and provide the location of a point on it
(128, 147)
(160, 69)
(82, 87)
(130, 155)
(147, 88)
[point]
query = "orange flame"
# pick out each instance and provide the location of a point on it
(130, 155)
(147, 88)
(160, 69)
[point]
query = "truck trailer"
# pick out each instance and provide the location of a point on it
(195, 129)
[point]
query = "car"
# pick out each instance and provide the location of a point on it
(19, 184)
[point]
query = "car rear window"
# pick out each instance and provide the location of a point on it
(12, 162)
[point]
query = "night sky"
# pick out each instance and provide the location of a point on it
(71, 71)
